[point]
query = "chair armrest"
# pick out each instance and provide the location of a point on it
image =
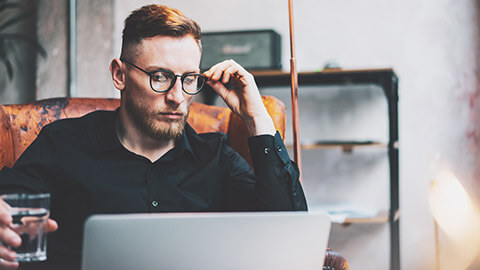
(6, 141)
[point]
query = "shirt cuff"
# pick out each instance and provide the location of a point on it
(267, 150)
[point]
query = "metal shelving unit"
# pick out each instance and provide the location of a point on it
(388, 81)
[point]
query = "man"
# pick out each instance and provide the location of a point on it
(144, 157)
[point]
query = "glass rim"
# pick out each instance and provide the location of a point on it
(16, 196)
(198, 88)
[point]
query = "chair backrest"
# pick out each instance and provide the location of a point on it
(21, 123)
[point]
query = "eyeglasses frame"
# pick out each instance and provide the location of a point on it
(182, 78)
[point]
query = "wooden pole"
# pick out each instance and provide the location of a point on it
(294, 93)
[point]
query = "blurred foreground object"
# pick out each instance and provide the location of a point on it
(11, 14)
(459, 219)
(334, 261)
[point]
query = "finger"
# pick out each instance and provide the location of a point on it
(9, 237)
(216, 72)
(4, 204)
(212, 69)
(51, 225)
(210, 72)
(7, 254)
(218, 87)
(5, 216)
(231, 70)
(228, 73)
(8, 265)
(239, 70)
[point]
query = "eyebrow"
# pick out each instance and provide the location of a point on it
(158, 68)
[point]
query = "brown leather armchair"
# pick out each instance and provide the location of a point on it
(20, 125)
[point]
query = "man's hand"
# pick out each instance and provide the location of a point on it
(11, 238)
(242, 95)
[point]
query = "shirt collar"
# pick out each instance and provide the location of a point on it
(183, 142)
(106, 133)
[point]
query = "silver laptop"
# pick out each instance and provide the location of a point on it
(201, 241)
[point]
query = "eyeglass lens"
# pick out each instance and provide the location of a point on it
(191, 83)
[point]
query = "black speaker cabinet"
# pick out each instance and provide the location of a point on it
(254, 50)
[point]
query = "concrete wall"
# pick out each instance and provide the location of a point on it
(94, 38)
(52, 28)
(94, 48)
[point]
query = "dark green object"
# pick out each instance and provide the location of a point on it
(252, 49)
(12, 13)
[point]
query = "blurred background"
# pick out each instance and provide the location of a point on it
(433, 46)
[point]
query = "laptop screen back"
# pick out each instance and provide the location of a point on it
(213, 241)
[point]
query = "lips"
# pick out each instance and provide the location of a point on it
(171, 115)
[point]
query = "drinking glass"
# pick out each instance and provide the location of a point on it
(30, 213)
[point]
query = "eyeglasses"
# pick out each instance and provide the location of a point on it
(163, 80)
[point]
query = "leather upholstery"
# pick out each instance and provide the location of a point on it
(334, 261)
(6, 141)
(20, 124)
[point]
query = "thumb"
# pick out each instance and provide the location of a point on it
(51, 225)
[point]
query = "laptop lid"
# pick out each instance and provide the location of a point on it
(213, 241)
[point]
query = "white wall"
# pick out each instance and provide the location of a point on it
(433, 46)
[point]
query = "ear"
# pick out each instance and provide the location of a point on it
(118, 76)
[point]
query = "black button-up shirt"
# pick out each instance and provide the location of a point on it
(86, 169)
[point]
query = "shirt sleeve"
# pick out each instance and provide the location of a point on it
(31, 169)
(276, 176)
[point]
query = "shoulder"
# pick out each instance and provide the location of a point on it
(204, 142)
(207, 143)
(79, 124)
(212, 138)
(214, 145)
(219, 142)
(81, 130)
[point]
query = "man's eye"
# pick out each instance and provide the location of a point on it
(159, 77)
(190, 79)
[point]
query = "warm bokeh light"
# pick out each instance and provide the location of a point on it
(457, 216)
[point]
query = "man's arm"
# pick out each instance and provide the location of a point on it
(29, 173)
(277, 185)
(277, 177)
(24, 177)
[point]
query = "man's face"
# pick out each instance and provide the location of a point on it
(160, 115)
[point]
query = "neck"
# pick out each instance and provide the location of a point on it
(136, 141)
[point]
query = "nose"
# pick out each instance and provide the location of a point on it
(176, 95)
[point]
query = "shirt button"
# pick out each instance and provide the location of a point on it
(266, 150)
(154, 203)
(279, 148)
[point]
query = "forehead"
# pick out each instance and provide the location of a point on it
(169, 52)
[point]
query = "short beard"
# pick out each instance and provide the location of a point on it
(147, 125)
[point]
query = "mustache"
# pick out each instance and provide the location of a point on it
(182, 111)
(172, 112)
